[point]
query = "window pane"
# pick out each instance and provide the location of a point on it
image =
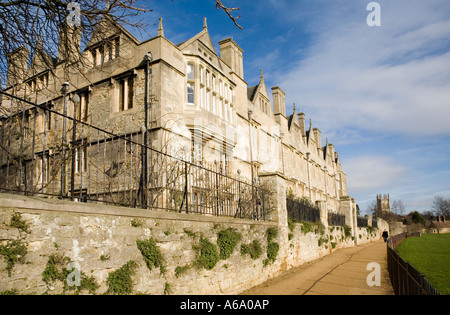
(190, 93)
(121, 94)
(94, 57)
(130, 93)
(117, 48)
(190, 71)
(202, 79)
(102, 55)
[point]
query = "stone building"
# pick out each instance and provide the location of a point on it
(383, 205)
(200, 109)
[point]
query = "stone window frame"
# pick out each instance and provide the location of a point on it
(118, 85)
(114, 83)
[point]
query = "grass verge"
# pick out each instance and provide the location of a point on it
(430, 255)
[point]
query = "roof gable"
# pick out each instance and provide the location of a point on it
(106, 28)
(254, 91)
(203, 37)
(41, 60)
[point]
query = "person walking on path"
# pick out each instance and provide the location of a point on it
(385, 235)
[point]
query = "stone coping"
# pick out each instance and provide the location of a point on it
(35, 203)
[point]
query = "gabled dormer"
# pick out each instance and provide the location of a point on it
(259, 97)
(40, 62)
(191, 46)
(107, 42)
(295, 126)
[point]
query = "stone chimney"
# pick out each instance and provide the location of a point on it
(17, 66)
(232, 55)
(301, 119)
(317, 137)
(69, 43)
(279, 101)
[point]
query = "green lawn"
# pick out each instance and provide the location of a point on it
(430, 255)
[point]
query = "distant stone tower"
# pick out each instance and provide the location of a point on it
(383, 205)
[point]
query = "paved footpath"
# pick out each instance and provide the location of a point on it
(343, 272)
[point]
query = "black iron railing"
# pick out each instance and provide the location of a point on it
(299, 211)
(44, 152)
(405, 279)
(362, 222)
(336, 219)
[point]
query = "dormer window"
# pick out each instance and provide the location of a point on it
(37, 83)
(105, 51)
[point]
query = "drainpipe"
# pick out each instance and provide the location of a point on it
(147, 60)
(309, 175)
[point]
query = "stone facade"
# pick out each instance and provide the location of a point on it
(201, 108)
(97, 240)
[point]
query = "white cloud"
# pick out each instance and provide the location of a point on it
(367, 173)
(391, 78)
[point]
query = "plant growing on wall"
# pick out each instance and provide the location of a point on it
(17, 222)
(120, 281)
(254, 249)
(347, 231)
(207, 254)
(152, 254)
(227, 240)
(13, 251)
(272, 246)
(56, 270)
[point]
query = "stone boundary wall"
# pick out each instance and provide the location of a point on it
(100, 239)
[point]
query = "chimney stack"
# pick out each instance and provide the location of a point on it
(317, 137)
(17, 66)
(69, 43)
(301, 119)
(279, 101)
(232, 55)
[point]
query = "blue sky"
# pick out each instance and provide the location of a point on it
(381, 95)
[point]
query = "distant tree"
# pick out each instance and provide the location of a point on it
(428, 215)
(441, 206)
(417, 218)
(398, 207)
(372, 208)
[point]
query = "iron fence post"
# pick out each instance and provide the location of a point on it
(65, 89)
(186, 185)
(74, 136)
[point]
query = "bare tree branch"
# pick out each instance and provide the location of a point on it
(228, 11)
(27, 22)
